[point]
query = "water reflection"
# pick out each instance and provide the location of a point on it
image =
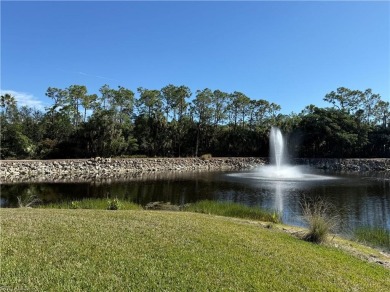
(278, 197)
(360, 200)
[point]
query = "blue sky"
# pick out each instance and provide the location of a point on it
(290, 53)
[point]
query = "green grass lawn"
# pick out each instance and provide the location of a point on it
(136, 250)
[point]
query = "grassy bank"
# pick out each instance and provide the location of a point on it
(93, 203)
(101, 250)
(229, 209)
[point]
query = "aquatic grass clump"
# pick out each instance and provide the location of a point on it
(29, 201)
(374, 236)
(94, 203)
(321, 217)
(230, 209)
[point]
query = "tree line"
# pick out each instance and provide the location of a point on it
(174, 122)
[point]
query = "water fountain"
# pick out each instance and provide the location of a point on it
(279, 177)
(276, 147)
(279, 169)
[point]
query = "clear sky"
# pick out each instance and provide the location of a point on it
(290, 53)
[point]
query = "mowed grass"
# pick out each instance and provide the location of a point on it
(102, 250)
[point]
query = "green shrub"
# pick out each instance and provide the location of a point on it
(114, 204)
(74, 205)
(230, 209)
(321, 218)
(375, 236)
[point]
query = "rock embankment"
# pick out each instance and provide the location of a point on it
(109, 169)
(85, 169)
(351, 164)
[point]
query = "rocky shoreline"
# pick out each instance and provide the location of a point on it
(102, 169)
(110, 169)
(348, 164)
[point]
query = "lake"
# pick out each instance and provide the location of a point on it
(360, 199)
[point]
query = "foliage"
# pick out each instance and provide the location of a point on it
(230, 209)
(165, 122)
(321, 218)
(331, 133)
(104, 137)
(376, 236)
(114, 204)
(74, 205)
(62, 250)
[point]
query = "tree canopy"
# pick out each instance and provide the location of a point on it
(172, 121)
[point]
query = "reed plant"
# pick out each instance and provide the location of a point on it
(375, 236)
(230, 209)
(28, 202)
(321, 218)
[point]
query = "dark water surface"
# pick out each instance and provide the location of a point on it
(362, 199)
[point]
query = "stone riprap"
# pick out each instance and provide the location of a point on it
(110, 169)
(351, 164)
(102, 169)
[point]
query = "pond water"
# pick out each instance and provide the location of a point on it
(362, 199)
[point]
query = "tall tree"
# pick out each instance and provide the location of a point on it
(369, 102)
(168, 94)
(203, 111)
(239, 106)
(104, 136)
(107, 96)
(88, 102)
(345, 99)
(382, 112)
(123, 104)
(59, 97)
(219, 100)
(77, 93)
(14, 143)
(149, 102)
(9, 109)
(182, 93)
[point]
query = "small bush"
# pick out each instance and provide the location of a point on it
(375, 236)
(321, 218)
(206, 156)
(114, 204)
(74, 205)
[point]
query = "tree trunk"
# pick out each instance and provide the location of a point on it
(197, 141)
